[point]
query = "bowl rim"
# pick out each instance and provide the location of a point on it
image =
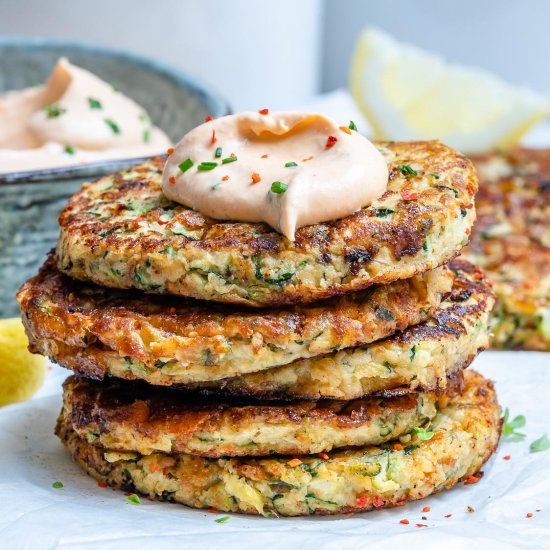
(217, 104)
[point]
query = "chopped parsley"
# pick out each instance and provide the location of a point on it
(383, 212)
(406, 170)
(57, 485)
(113, 125)
(69, 150)
(146, 136)
(228, 160)
(352, 126)
(133, 499)
(218, 152)
(53, 111)
(509, 427)
(185, 165)
(413, 352)
(206, 166)
(94, 103)
(223, 519)
(291, 164)
(279, 187)
(540, 445)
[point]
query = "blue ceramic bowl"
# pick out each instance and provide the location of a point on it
(30, 201)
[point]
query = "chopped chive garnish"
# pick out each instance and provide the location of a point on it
(215, 186)
(185, 165)
(205, 166)
(146, 136)
(223, 519)
(218, 152)
(406, 170)
(57, 485)
(228, 160)
(94, 103)
(113, 125)
(352, 125)
(143, 117)
(133, 499)
(290, 164)
(279, 187)
(53, 111)
(69, 149)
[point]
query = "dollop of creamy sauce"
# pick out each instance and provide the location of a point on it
(74, 118)
(288, 169)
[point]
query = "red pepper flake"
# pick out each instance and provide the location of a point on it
(163, 222)
(264, 111)
(294, 462)
(331, 141)
(529, 515)
(361, 501)
(164, 471)
(377, 502)
(447, 515)
(265, 156)
(407, 195)
(507, 457)
(324, 456)
(212, 510)
(152, 467)
(471, 480)
(426, 509)
(345, 129)
(170, 151)
(172, 179)
(397, 447)
(405, 521)
(102, 484)
(225, 178)
(172, 310)
(127, 494)
(398, 299)
(308, 158)
(400, 503)
(421, 525)
(209, 119)
(255, 177)
(214, 138)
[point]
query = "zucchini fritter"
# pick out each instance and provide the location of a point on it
(511, 241)
(132, 416)
(122, 232)
(419, 358)
(184, 339)
(465, 433)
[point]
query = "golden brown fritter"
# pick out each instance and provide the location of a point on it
(465, 434)
(132, 416)
(421, 357)
(193, 340)
(122, 232)
(511, 241)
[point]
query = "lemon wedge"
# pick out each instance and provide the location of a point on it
(407, 93)
(21, 372)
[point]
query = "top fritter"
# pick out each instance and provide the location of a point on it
(122, 232)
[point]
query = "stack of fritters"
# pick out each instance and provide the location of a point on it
(351, 340)
(511, 241)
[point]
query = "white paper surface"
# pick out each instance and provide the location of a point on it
(35, 515)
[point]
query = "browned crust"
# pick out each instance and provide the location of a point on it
(148, 328)
(480, 417)
(358, 246)
(149, 413)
